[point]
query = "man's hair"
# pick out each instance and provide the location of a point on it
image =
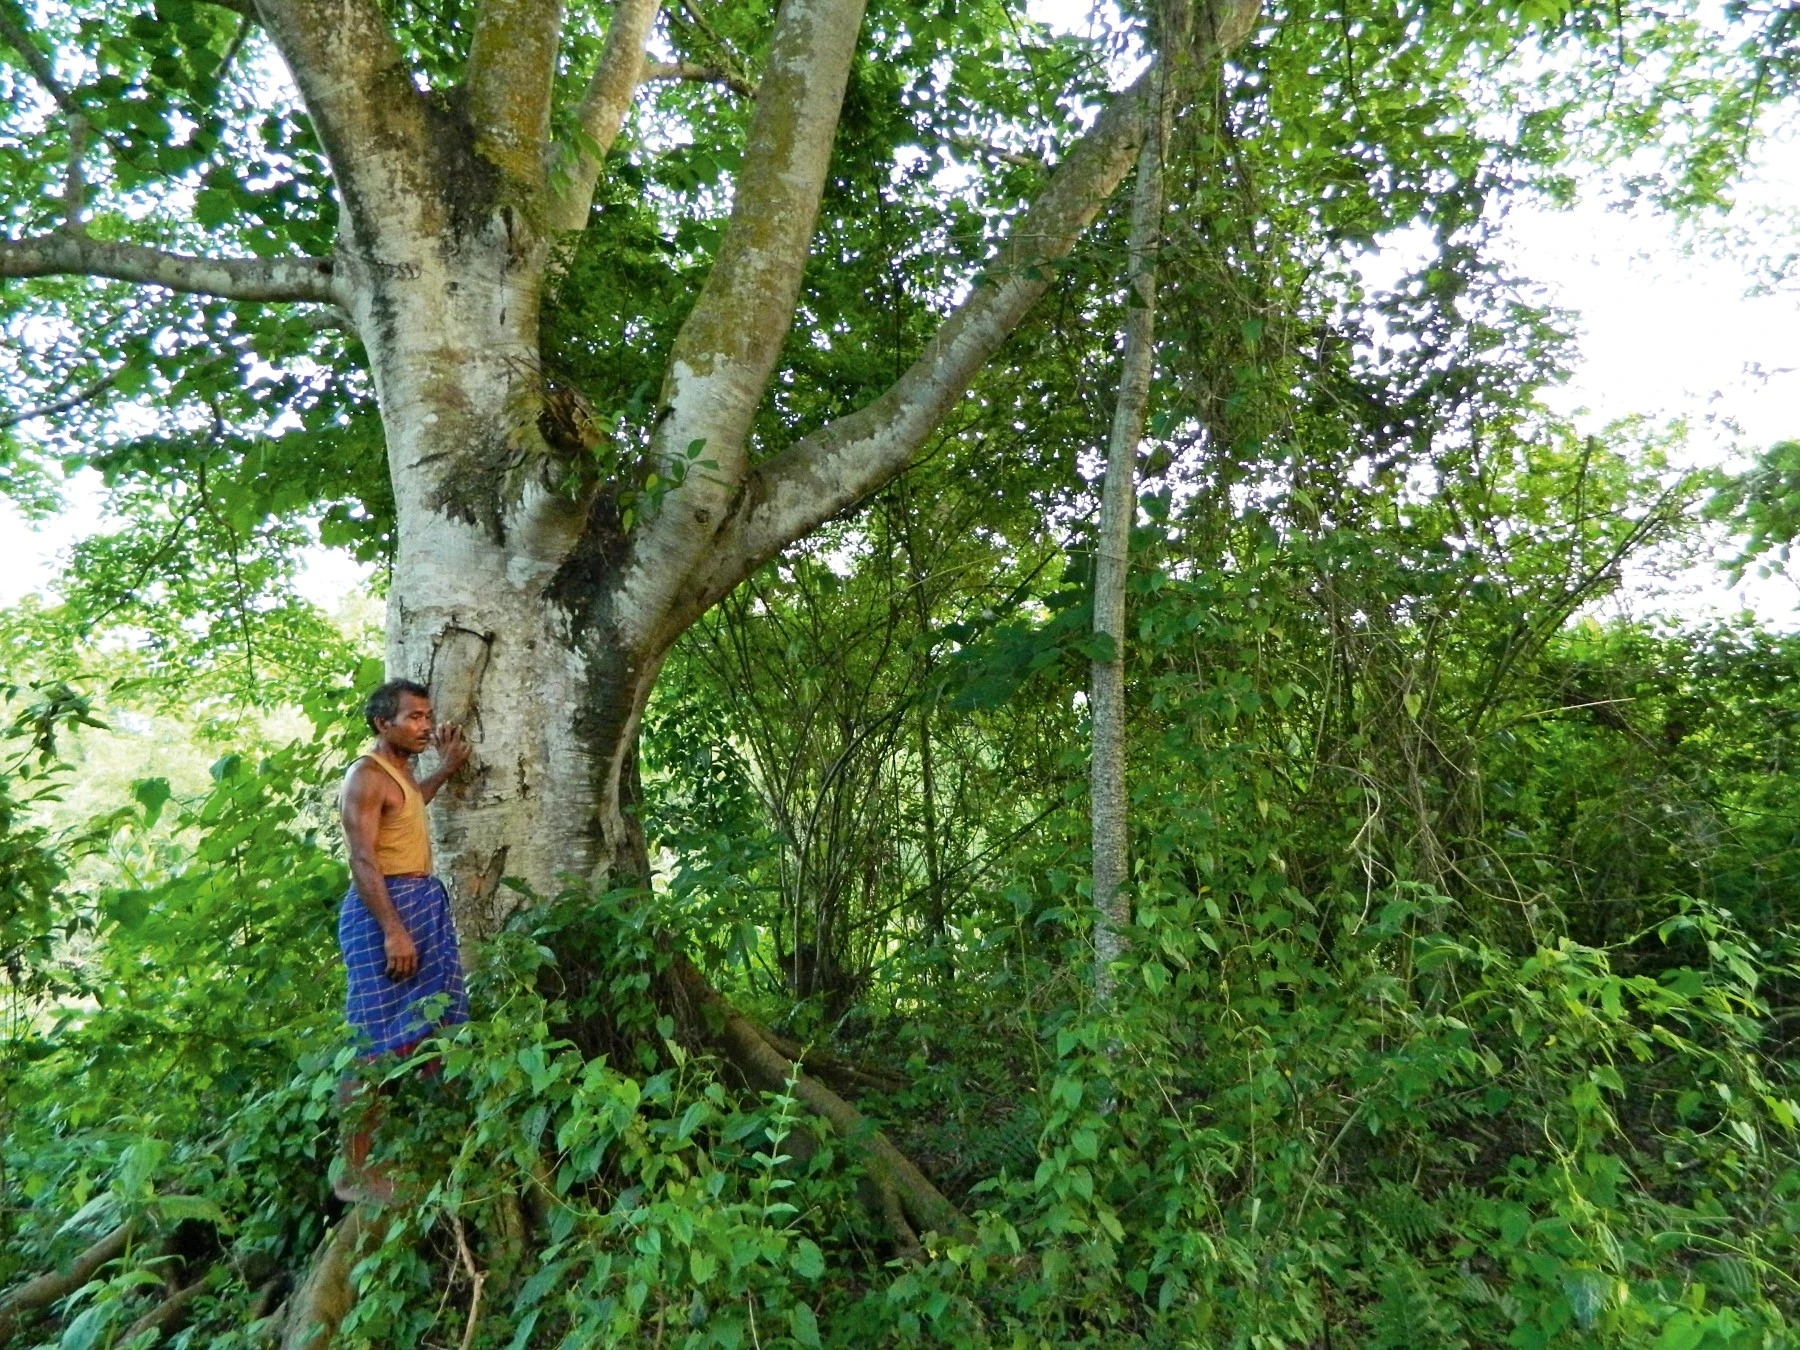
(384, 703)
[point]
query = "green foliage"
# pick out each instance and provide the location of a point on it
(1459, 1003)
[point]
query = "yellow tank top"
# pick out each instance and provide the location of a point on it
(403, 840)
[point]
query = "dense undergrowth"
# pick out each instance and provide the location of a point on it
(1457, 1013)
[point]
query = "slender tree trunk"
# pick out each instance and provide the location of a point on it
(1110, 802)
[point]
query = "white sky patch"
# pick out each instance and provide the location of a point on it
(1670, 333)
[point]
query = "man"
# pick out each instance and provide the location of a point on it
(395, 928)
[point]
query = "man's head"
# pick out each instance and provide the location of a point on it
(400, 714)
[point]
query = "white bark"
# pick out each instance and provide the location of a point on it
(812, 480)
(727, 350)
(1109, 797)
(717, 374)
(452, 345)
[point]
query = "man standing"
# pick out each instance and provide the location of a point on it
(395, 928)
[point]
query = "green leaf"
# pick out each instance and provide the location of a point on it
(805, 1325)
(151, 795)
(86, 1329)
(1515, 1224)
(176, 1208)
(808, 1261)
(1683, 1331)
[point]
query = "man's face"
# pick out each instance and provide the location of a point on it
(411, 728)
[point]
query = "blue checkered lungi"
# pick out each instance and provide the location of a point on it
(386, 1013)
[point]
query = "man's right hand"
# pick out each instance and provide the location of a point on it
(402, 955)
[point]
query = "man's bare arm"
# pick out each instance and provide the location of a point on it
(453, 752)
(363, 795)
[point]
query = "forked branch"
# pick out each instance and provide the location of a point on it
(824, 473)
(791, 494)
(726, 351)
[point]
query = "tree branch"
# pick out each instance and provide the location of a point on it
(822, 474)
(695, 73)
(65, 253)
(1024, 159)
(370, 117)
(19, 39)
(603, 108)
(512, 71)
(61, 405)
(726, 351)
(841, 463)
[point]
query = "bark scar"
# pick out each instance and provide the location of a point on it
(459, 658)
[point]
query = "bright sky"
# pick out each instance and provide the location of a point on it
(1665, 332)
(1671, 332)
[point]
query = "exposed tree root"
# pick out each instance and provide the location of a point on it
(834, 1069)
(267, 1297)
(905, 1199)
(326, 1294)
(52, 1285)
(750, 1050)
(167, 1315)
(895, 1213)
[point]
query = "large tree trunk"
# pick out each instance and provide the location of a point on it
(451, 330)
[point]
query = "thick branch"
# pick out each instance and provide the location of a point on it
(603, 108)
(841, 463)
(727, 349)
(48, 1288)
(512, 71)
(68, 254)
(362, 101)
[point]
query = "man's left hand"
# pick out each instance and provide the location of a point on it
(453, 750)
